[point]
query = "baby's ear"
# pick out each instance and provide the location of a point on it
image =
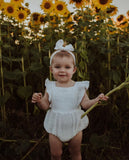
(50, 67)
(75, 68)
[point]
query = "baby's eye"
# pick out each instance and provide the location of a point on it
(67, 67)
(57, 66)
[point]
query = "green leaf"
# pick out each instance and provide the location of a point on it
(13, 75)
(127, 79)
(116, 76)
(4, 99)
(35, 66)
(80, 75)
(24, 92)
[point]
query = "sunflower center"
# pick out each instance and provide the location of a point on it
(97, 10)
(51, 18)
(120, 18)
(103, 2)
(77, 1)
(42, 19)
(47, 5)
(10, 9)
(35, 17)
(60, 7)
(111, 10)
(21, 16)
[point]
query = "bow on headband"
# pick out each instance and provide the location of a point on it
(59, 46)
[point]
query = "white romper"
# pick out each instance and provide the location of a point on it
(63, 119)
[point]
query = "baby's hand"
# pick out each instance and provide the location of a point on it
(102, 97)
(36, 97)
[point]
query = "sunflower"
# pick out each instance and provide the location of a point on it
(112, 10)
(127, 14)
(96, 10)
(111, 27)
(112, 32)
(33, 27)
(42, 19)
(47, 6)
(76, 17)
(79, 3)
(67, 13)
(17, 2)
(124, 24)
(69, 22)
(1, 4)
(21, 15)
(121, 18)
(9, 9)
(88, 2)
(35, 18)
(60, 7)
(53, 20)
(102, 4)
(25, 9)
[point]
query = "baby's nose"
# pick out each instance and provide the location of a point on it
(62, 69)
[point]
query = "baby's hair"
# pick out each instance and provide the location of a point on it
(64, 53)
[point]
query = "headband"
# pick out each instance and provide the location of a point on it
(59, 46)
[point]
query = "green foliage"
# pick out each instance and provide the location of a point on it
(24, 92)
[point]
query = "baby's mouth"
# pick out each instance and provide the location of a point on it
(62, 75)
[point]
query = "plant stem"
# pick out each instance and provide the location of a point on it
(33, 147)
(118, 42)
(122, 85)
(127, 66)
(109, 60)
(3, 112)
(49, 54)
(39, 47)
(24, 81)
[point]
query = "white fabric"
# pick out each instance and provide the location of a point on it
(59, 46)
(63, 119)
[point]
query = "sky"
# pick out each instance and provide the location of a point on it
(123, 5)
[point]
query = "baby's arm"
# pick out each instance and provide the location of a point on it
(42, 101)
(87, 103)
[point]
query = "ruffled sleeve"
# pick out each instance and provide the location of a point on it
(85, 84)
(82, 87)
(48, 85)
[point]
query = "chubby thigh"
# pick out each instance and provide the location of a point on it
(74, 145)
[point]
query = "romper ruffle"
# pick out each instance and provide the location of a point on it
(63, 119)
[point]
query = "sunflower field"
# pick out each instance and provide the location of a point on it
(102, 51)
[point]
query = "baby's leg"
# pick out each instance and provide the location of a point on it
(75, 146)
(55, 147)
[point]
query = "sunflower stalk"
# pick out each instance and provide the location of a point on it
(3, 112)
(24, 81)
(10, 56)
(109, 60)
(118, 43)
(37, 143)
(84, 43)
(39, 47)
(126, 74)
(127, 65)
(49, 54)
(121, 86)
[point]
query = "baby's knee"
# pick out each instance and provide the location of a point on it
(56, 155)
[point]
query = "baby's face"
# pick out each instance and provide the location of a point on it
(63, 68)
